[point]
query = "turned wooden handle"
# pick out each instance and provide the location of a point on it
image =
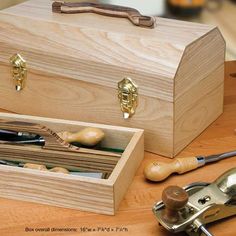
(157, 171)
(44, 168)
(174, 198)
(104, 9)
(35, 166)
(88, 137)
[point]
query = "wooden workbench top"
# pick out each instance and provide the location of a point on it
(134, 216)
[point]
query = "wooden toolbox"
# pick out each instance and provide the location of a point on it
(168, 79)
(67, 190)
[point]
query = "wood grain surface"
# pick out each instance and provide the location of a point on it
(134, 216)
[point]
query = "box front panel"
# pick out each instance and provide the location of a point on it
(54, 189)
(59, 97)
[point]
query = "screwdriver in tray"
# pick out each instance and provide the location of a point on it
(14, 136)
(158, 171)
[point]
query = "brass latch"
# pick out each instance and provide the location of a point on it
(19, 71)
(128, 96)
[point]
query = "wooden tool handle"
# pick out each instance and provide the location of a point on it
(157, 171)
(44, 168)
(104, 9)
(88, 137)
(174, 198)
(35, 166)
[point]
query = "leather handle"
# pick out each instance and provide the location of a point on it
(104, 9)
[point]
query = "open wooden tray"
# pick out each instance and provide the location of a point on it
(77, 192)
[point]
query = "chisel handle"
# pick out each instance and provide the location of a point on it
(35, 166)
(158, 171)
(87, 137)
(44, 168)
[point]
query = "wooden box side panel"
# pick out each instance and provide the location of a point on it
(60, 97)
(200, 59)
(127, 167)
(199, 88)
(198, 108)
(56, 189)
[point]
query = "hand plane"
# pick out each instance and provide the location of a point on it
(190, 208)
